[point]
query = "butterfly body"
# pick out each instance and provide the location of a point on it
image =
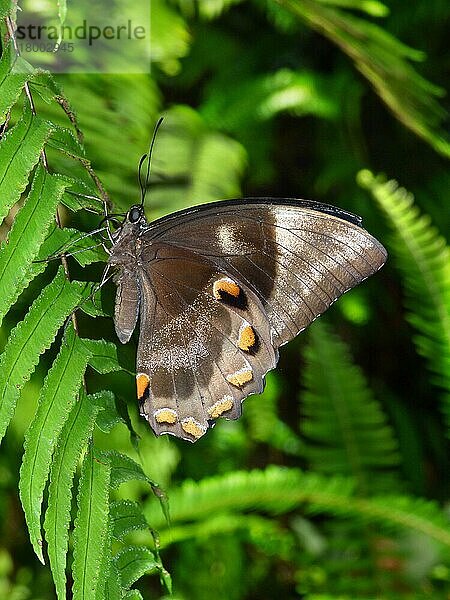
(218, 289)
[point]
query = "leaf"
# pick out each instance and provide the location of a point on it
(133, 595)
(30, 338)
(64, 140)
(126, 516)
(133, 562)
(108, 417)
(109, 587)
(91, 524)
(6, 7)
(26, 236)
(383, 61)
(103, 356)
(80, 196)
(57, 397)
(124, 468)
(423, 258)
(279, 489)
(20, 149)
(82, 249)
(72, 440)
(14, 72)
(343, 425)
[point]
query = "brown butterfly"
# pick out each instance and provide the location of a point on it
(218, 289)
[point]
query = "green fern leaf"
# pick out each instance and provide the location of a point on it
(63, 140)
(109, 586)
(57, 397)
(265, 425)
(6, 7)
(103, 357)
(26, 236)
(109, 416)
(80, 196)
(91, 524)
(126, 516)
(423, 258)
(279, 490)
(29, 135)
(14, 72)
(384, 62)
(344, 427)
(133, 595)
(73, 439)
(30, 338)
(133, 562)
(124, 468)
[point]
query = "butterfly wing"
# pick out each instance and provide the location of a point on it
(297, 256)
(222, 287)
(198, 356)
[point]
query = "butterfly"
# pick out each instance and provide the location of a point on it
(218, 288)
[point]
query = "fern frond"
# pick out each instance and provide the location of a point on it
(279, 490)
(206, 10)
(30, 338)
(126, 516)
(57, 397)
(423, 258)
(91, 525)
(71, 443)
(384, 62)
(27, 235)
(14, 73)
(133, 562)
(30, 135)
(266, 534)
(265, 425)
(344, 427)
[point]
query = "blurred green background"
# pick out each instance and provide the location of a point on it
(292, 99)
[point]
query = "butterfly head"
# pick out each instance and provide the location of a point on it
(135, 214)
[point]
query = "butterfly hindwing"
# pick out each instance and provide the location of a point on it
(204, 344)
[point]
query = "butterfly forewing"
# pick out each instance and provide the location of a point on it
(219, 288)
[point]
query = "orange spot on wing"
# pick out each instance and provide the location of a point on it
(247, 338)
(193, 427)
(166, 415)
(226, 285)
(221, 406)
(241, 377)
(142, 383)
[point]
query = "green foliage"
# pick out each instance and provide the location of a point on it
(30, 133)
(91, 525)
(278, 490)
(423, 258)
(58, 396)
(383, 60)
(252, 96)
(345, 428)
(72, 441)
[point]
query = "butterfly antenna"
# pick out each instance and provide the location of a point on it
(144, 184)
